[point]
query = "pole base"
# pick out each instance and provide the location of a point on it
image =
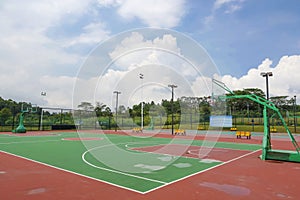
(282, 155)
(20, 129)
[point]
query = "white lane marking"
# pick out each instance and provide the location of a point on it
(29, 142)
(71, 172)
(115, 171)
(200, 172)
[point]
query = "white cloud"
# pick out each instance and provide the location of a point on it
(158, 58)
(108, 3)
(285, 79)
(233, 8)
(59, 91)
(38, 15)
(219, 3)
(135, 50)
(230, 7)
(92, 34)
(26, 60)
(31, 61)
(155, 13)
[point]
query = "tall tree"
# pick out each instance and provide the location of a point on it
(86, 106)
(5, 114)
(99, 109)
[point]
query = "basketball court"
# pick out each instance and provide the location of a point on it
(47, 165)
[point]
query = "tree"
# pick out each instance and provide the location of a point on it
(86, 106)
(168, 106)
(243, 105)
(99, 109)
(190, 104)
(204, 108)
(280, 101)
(107, 112)
(5, 114)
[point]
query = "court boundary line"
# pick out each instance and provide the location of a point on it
(72, 172)
(183, 156)
(28, 142)
(205, 170)
(115, 171)
(164, 184)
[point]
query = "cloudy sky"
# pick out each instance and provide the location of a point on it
(46, 45)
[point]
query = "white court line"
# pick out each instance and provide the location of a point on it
(182, 156)
(200, 172)
(130, 189)
(28, 142)
(115, 171)
(219, 149)
(28, 136)
(71, 172)
(83, 155)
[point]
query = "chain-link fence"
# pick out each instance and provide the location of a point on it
(59, 118)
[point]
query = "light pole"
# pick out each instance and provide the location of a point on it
(295, 122)
(117, 99)
(267, 75)
(172, 106)
(42, 112)
(142, 104)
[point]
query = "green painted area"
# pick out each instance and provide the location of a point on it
(111, 159)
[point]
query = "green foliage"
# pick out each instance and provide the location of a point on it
(189, 110)
(86, 106)
(5, 114)
(102, 110)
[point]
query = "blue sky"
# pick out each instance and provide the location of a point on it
(44, 43)
(237, 40)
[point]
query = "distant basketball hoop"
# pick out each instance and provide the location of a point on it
(25, 108)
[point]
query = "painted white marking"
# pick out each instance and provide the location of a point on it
(130, 189)
(182, 165)
(29, 142)
(36, 191)
(165, 158)
(209, 160)
(200, 172)
(115, 171)
(151, 167)
(75, 173)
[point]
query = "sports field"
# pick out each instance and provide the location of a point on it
(132, 162)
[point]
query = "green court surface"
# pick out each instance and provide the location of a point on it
(151, 170)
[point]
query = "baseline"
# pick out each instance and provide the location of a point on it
(72, 172)
(202, 171)
(115, 171)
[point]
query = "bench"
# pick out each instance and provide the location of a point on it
(240, 134)
(180, 132)
(273, 130)
(137, 130)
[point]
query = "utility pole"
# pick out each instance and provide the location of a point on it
(172, 106)
(267, 75)
(117, 99)
(142, 103)
(295, 120)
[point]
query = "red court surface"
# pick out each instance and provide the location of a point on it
(218, 154)
(245, 178)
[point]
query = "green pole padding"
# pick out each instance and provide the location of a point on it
(21, 128)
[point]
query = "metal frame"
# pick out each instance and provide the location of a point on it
(267, 152)
(31, 109)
